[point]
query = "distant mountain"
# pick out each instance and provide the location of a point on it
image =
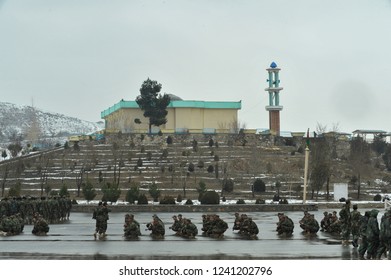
(20, 121)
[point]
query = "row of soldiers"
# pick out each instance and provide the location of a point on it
(375, 239)
(53, 209)
(213, 226)
(14, 225)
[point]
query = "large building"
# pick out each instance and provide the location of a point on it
(183, 116)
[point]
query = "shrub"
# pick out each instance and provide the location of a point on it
(167, 200)
(191, 167)
(228, 185)
(259, 185)
(88, 191)
(142, 199)
(240, 201)
(179, 198)
(201, 189)
(154, 192)
(189, 202)
(210, 169)
(15, 190)
(169, 140)
(377, 197)
(210, 197)
(132, 194)
(64, 191)
(260, 201)
(111, 192)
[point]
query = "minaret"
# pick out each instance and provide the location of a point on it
(274, 107)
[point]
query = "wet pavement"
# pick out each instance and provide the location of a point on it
(74, 240)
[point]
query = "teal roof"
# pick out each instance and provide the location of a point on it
(177, 104)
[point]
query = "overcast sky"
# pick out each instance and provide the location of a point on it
(79, 57)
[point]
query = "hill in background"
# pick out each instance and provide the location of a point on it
(23, 122)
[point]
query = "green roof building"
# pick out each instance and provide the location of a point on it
(183, 116)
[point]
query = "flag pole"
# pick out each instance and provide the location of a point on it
(306, 157)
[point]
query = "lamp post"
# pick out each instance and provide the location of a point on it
(307, 152)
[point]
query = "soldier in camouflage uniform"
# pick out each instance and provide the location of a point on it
(384, 236)
(249, 228)
(355, 225)
(362, 249)
(345, 222)
(177, 225)
(131, 227)
(41, 226)
(285, 225)
(188, 229)
(156, 227)
(372, 234)
(101, 215)
(217, 227)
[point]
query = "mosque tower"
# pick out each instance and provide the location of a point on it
(274, 106)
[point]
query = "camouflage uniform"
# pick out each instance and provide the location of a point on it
(355, 225)
(363, 234)
(249, 227)
(285, 225)
(41, 227)
(131, 227)
(156, 227)
(345, 221)
(189, 229)
(372, 234)
(384, 235)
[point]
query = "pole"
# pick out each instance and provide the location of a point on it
(307, 152)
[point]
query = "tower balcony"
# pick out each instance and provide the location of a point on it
(273, 89)
(274, 108)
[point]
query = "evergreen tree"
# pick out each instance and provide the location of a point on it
(153, 103)
(88, 191)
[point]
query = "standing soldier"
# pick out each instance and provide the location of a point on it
(384, 236)
(345, 221)
(372, 234)
(362, 249)
(101, 214)
(95, 214)
(355, 225)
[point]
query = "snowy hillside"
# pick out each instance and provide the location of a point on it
(20, 120)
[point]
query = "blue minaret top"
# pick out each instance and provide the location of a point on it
(273, 65)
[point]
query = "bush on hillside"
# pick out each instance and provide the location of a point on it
(111, 192)
(132, 194)
(228, 185)
(210, 197)
(240, 201)
(189, 202)
(88, 191)
(142, 199)
(260, 201)
(167, 200)
(259, 185)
